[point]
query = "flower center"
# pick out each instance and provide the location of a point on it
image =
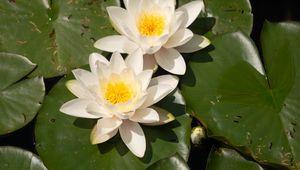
(151, 24)
(118, 92)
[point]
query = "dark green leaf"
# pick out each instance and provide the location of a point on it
(63, 140)
(226, 88)
(12, 158)
(57, 35)
(20, 99)
(223, 158)
(175, 162)
(221, 16)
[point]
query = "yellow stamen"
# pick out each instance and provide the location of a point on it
(151, 24)
(118, 92)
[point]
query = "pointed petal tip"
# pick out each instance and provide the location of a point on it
(70, 83)
(170, 117)
(114, 43)
(171, 60)
(206, 42)
(192, 9)
(96, 138)
(164, 117)
(133, 137)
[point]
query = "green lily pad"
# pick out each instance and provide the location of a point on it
(58, 35)
(227, 89)
(63, 140)
(221, 16)
(13, 158)
(223, 158)
(20, 99)
(175, 162)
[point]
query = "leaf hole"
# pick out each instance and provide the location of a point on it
(239, 117)
(52, 120)
(236, 121)
(291, 134)
(52, 33)
(24, 117)
(70, 16)
(270, 145)
(93, 39)
(85, 26)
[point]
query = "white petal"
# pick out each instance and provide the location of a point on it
(192, 9)
(164, 117)
(140, 101)
(198, 42)
(170, 80)
(85, 77)
(179, 38)
(104, 127)
(150, 62)
(132, 6)
(168, 4)
(117, 63)
(148, 47)
(126, 3)
(123, 115)
(103, 71)
(121, 21)
(146, 115)
(95, 109)
(115, 43)
(77, 107)
(155, 94)
(96, 138)
(94, 58)
(135, 61)
(78, 89)
(170, 60)
(151, 44)
(133, 136)
(178, 21)
(144, 78)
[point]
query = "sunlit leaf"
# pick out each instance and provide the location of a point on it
(221, 16)
(227, 89)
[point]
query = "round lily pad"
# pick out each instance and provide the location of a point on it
(224, 158)
(175, 162)
(63, 142)
(13, 158)
(245, 104)
(57, 35)
(20, 98)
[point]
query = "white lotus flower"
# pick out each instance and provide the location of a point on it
(119, 94)
(158, 29)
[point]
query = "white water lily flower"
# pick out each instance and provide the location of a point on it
(158, 29)
(119, 94)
